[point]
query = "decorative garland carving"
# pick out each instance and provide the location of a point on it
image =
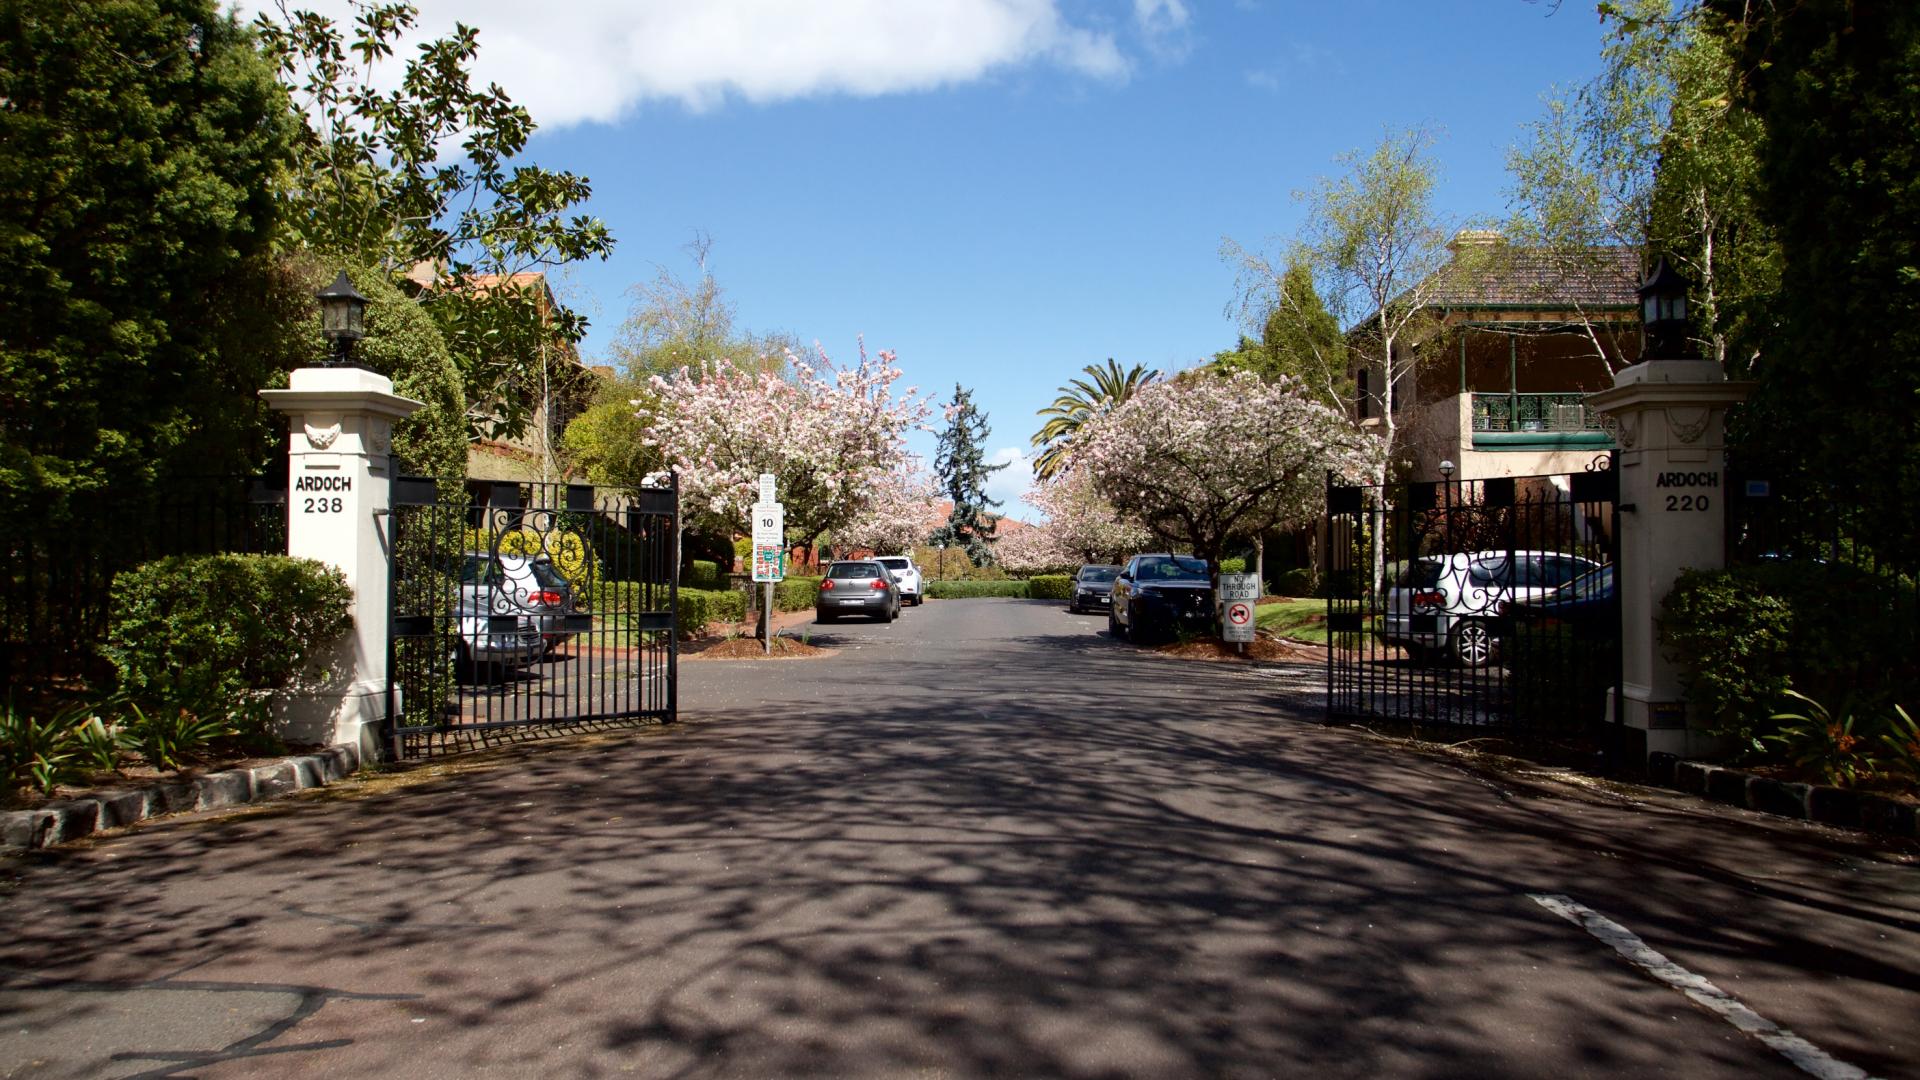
(1688, 425)
(320, 438)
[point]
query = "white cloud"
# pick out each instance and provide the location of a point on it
(1011, 484)
(592, 60)
(1164, 26)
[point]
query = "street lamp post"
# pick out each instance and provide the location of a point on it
(1663, 314)
(342, 319)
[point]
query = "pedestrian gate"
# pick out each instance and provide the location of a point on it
(1484, 605)
(520, 607)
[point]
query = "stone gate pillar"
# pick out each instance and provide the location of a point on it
(1669, 418)
(338, 496)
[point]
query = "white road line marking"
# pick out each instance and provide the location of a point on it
(1803, 1054)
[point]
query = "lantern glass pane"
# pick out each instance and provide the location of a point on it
(1651, 309)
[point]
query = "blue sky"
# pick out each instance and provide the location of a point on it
(1001, 191)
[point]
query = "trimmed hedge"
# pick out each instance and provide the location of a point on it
(1235, 565)
(1050, 587)
(194, 628)
(704, 574)
(796, 593)
(966, 590)
(699, 608)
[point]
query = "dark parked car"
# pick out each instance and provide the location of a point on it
(1156, 595)
(1093, 588)
(1587, 601)
(857, 587)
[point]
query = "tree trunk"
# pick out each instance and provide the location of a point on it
(1260, 560)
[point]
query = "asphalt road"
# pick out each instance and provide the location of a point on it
(984, 840)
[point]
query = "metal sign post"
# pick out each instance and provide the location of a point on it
(769, 550)
(1238, 595)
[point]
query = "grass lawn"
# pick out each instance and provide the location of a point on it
(1301, 620)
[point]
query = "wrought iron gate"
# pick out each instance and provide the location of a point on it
(1485, 605)
(519, 606)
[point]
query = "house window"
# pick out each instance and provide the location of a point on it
(1365, 394)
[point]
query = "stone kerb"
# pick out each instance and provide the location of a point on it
(338, 497)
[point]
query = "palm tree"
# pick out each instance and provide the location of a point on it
(1080, 401)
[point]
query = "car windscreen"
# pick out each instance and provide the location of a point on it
(1172, 567)
(1598, 583)
(1099, 575)
(853, 571)
(894, 564)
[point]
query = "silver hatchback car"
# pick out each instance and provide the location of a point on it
(857, 587)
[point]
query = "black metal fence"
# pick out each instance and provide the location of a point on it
(1484, 605)
(65, 549)
(520, 607)
(1855, 599)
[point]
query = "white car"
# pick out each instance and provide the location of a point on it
(906, 575)
(1452, 604)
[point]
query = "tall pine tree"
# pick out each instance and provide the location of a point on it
(962, 466)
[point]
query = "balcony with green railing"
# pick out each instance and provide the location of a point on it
(1503, 421)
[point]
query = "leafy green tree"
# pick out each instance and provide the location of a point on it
(138, 143)
(1652, 155)
(404, 344)
(372, 177)
(674, 323)
(608, 441)
(1080, 402)
(960, 463)
(1837, 406)
(1299, 339)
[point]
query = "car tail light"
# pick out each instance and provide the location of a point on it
(549, 599)
(1430, 597)
(827, 585)
(879, 583)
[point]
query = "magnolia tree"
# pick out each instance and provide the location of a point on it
(894, 517)
(1203, 460)
(830, 437)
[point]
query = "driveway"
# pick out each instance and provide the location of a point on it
(984, 840)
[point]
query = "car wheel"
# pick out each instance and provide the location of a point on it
(1473, 644)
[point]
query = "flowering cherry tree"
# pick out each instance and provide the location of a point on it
(1203, 459)
(895, 517)
(831, 437)
(1033, 551)
(1082, 523)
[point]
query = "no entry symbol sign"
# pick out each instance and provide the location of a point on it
(1238, 620)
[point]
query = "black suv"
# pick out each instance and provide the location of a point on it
(1158, 594)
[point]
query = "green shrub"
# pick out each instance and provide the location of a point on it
(35, 752)
(702, 608)
(1748, 635)
(215, 630)
(1050, 587)
(704, 574)
(1299, 582)
(796, 593)
(963, 590)
(1235, 565)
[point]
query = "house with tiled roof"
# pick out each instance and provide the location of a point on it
(1494, 380)
(531, 454)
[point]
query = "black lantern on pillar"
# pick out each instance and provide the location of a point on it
(343, 318)
(1663, 314)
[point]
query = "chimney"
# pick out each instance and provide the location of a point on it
(1475, 238)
